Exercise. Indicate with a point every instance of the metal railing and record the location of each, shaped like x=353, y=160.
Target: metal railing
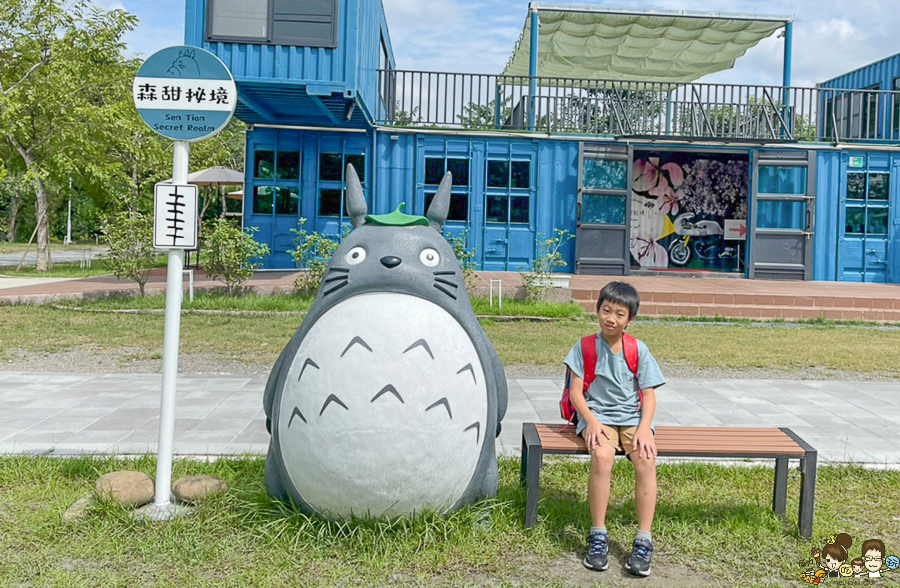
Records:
x=642, y=109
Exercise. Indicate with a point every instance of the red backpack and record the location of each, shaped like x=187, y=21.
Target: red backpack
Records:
x=589, y=354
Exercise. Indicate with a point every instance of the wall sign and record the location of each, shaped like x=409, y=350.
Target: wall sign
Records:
x=174, y=216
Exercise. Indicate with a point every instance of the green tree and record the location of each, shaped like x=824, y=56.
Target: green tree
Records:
x=131, y=254
x=58, y=65
x=230, y=253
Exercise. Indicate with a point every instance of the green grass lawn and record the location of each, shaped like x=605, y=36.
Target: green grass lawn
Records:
x=260, y=338
x=714, y=526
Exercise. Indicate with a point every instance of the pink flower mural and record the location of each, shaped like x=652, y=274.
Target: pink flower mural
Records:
x=654, y=179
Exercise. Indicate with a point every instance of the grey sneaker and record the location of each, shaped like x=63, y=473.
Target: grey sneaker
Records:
x=596, y=555
x=639, y=562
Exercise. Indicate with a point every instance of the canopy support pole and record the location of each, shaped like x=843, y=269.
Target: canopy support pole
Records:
x=786, y=78
x=532, y=65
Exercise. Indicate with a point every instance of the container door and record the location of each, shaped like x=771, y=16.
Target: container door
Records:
x=603, y=209
x=783, y=215
x=510, y=188
x=865, y=200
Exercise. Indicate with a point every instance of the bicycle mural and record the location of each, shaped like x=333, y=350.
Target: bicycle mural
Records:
x=680, y=202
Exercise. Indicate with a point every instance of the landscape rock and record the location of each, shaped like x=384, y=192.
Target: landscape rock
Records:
x=77, y=510
x=126, y=487
x=196, y=488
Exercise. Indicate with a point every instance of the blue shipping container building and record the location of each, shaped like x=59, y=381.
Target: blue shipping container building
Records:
x=648, y=170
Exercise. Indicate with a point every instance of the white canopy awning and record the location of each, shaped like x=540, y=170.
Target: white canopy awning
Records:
x=598, y=42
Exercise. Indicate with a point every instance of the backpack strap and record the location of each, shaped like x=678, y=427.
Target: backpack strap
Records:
x=589, y=358
x=630, y=351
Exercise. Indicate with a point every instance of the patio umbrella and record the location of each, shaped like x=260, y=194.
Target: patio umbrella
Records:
x=214, y=176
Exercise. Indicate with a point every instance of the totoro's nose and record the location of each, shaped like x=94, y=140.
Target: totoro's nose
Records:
x=390, y=261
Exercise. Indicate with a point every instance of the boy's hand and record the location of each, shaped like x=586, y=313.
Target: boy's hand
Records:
x=644, y=443
x=593, y=432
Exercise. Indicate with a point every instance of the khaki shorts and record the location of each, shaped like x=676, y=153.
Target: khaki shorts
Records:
x=620, y=437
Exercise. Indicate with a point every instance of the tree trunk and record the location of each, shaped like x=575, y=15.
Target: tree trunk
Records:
x=14, y=203
x=43, y=229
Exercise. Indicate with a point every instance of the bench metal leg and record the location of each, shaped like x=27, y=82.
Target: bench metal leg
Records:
x=779, y=495
x=807, y=493
x=532, y=455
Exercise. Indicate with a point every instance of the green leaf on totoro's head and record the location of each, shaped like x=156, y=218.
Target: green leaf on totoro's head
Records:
x=397, y=218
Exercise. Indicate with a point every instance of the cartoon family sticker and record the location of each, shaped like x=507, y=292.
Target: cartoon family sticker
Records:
x=834, y=560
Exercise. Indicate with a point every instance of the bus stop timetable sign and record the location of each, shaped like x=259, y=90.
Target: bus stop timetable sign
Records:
x=184, y=93
x=174, y=216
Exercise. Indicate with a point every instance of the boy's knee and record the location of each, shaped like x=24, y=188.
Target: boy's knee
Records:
x=643, y=465
x=602, y=456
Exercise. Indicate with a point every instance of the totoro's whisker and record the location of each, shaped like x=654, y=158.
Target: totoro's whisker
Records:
x=440, y=402
x=477, y=427
x=445, y=291
x=296, y=413
x=448, y=282
x=468, y=366
x=332, y=398
x=339, y=269
x=335, y=278
x=335, y=288
x=306, y=363
x=445, y=273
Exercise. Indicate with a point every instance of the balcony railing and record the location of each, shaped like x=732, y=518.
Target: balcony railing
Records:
x=725, y=112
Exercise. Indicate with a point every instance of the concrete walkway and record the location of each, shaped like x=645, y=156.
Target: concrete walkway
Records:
x=66, y=414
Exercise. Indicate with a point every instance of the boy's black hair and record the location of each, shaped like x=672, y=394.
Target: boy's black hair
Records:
x=620, y=293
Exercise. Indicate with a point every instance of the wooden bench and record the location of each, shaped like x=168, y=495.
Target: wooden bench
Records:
x=780, y=444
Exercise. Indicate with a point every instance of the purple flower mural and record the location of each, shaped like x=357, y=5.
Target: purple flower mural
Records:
x=679, y=204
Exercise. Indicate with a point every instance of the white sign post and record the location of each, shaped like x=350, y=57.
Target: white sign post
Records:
x=185, y=94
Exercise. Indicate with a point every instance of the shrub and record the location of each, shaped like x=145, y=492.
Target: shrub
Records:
x=465, y=257
x=229, y=253
x=131, y=253
x=312, y=252
x=537, y=281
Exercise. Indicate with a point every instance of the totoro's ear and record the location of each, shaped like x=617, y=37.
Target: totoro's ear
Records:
x=440, y=206
x=356, y=202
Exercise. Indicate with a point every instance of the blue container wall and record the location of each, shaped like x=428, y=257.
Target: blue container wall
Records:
x=881, y=72
x=825, y=239
x=349, y=68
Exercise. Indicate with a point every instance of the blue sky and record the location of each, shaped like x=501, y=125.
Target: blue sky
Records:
x=477, y=36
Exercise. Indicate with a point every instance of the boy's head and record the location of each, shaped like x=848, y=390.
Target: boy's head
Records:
x=623, y=294
x=857, y=564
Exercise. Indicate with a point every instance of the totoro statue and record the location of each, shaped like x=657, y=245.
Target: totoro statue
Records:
x=388, y=399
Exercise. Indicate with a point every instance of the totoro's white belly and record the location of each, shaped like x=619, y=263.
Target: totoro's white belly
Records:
x=394, y=400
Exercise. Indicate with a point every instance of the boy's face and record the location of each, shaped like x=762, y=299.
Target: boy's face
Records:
x=613, y=318
x=873, y=560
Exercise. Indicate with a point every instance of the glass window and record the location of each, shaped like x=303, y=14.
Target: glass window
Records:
x=782, y=179
x=781, y=214
x=605, y=173
x=895, y=100
x=877, y=221
x=856, y=186
x=330, y=167
x=519, y=212
x=262, y=199
x=498, y=174
x=264, y=165
x=603, y=209
x=497, y=209
x=239, y=18
x=330, y=203
x=878, y=186
x=521, y=174
x=359, y=164
x=459, y=206
x=288, y=165
x=856, y=220
x=434, y=170
x=286, y=201
x=460, y=170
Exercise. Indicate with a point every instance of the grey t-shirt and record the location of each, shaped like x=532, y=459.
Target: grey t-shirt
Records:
x=613, y=396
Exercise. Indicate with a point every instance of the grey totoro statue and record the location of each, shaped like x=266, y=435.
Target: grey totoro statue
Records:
x=388, y=399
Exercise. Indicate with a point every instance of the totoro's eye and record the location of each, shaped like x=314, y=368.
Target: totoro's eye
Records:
x=356, y=256
x=430, y=257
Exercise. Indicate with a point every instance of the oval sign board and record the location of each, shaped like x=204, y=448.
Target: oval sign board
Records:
x=184, y=93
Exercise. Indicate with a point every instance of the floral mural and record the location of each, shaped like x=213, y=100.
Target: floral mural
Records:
x=680, y=202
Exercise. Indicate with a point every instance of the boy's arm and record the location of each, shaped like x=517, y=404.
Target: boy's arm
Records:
x=594, y=428
x=643, y=437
